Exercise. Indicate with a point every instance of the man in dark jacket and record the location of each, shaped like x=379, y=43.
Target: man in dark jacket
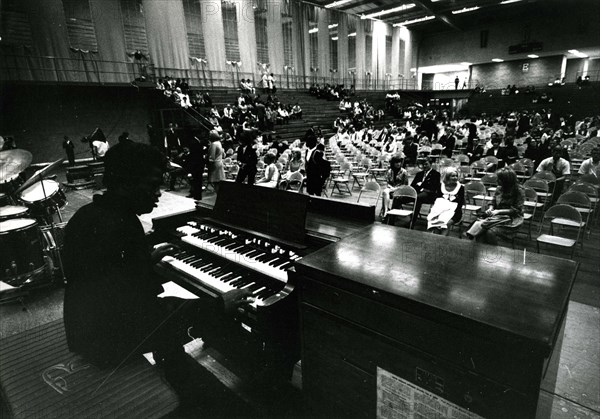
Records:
x=111, y=309
x=317, y=168
x=427, y=183
x=247, y=157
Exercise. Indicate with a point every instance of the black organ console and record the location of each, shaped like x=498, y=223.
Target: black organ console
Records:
x=250, y=240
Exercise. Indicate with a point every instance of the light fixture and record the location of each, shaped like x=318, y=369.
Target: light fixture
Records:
x=313, y=30
x=578, y=53
x=465, y=10
x=333, y=25
x=411, y=21
x=466, y=64
x=533, y=56
x=334, y=38
x=573, y=51
x=337, y=3
x=497, y=60
x=388, y=11
x=509, y=1
x=351, y=34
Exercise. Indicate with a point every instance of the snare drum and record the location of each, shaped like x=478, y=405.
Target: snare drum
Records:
x=13, y=211
x=44, y=197
x=21, y=255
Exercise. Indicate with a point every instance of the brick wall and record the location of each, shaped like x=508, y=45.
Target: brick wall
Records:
x=499, y=75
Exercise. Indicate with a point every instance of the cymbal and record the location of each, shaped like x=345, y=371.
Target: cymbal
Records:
x=39, y=175
x=13, y=162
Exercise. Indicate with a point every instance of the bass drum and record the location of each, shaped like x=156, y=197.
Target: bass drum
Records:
x=21, y=255
x=44, y=197
x=13, y=211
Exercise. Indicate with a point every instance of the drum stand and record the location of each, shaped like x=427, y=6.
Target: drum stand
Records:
x=49, y=215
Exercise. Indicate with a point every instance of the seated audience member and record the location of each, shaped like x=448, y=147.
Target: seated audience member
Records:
x=410, y=151
x=297, y=111
x=510, y=154
x=591, y=166
x=271, y=176
x=447, y=208
x=112, y=314
x=395, y=176
x=505, y=213
x=559, y=166
x=427, y=183
x=296, y=163
x=99, y=148
x=532, y=152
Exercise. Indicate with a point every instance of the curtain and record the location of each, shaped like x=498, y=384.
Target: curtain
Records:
x=247, y=39
x=108, y=23
x=214, y=35
x=379, y=35
x=50, y=39
x=301, y=40
x=323, y=39
x=395, y=53
x=275, y=36
x=342, y=49
x=167, y=36
x=360, y=51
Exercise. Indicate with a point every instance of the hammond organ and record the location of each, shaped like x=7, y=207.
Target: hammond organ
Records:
x=250, y=240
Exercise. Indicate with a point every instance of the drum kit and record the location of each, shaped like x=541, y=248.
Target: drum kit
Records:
x=28, y=252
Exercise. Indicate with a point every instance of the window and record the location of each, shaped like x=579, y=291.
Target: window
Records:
x=134, y=26
x=232, y=45
x=80, y=28
x=193, y=22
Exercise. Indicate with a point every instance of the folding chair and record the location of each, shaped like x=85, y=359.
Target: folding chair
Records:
x=295, y=182
x=566, y=213
x=542, y=189
x=371, y=186
x=582, y=203
x=404, y=191
x=342, y=179
x=530, y=207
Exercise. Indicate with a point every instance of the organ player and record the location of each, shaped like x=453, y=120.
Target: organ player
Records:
x=111, y=309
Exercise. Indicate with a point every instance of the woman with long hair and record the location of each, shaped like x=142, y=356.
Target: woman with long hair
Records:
x=504, y=214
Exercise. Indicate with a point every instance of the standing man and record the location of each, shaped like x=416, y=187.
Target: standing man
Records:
x=247, y=158
x=456, y=81
x=69, y=149
x=196, y=164
x=111, y=310
x=317, y=168
x=172, y=142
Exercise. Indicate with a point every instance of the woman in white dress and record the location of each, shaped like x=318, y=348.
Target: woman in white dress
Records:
x=271, y=176
x=216, y=172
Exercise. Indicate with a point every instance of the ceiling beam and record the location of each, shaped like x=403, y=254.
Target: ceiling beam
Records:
x=430, y=9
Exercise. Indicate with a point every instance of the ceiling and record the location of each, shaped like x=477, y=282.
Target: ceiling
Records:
x=488, y=11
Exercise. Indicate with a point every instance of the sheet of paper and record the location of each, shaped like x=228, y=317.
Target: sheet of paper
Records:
x=171, y=289
x=5, y=287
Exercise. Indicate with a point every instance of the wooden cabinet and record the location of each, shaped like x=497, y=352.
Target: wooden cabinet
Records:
x=397, y=321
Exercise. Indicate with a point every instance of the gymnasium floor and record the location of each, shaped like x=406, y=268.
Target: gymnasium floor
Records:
x=577, y=391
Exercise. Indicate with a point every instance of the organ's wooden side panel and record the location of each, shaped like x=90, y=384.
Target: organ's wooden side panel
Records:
x=396, y=321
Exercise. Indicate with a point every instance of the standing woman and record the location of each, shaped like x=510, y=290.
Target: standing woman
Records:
x=216, y=172
x=271, y=80
x=505, y=213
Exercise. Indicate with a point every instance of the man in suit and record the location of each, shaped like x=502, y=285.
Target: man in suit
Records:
x=410, y=150
x=196, y=164
x=427, y=183
x=247, y=157
x=448, y=141
x=317, y=168
x=69, y=149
